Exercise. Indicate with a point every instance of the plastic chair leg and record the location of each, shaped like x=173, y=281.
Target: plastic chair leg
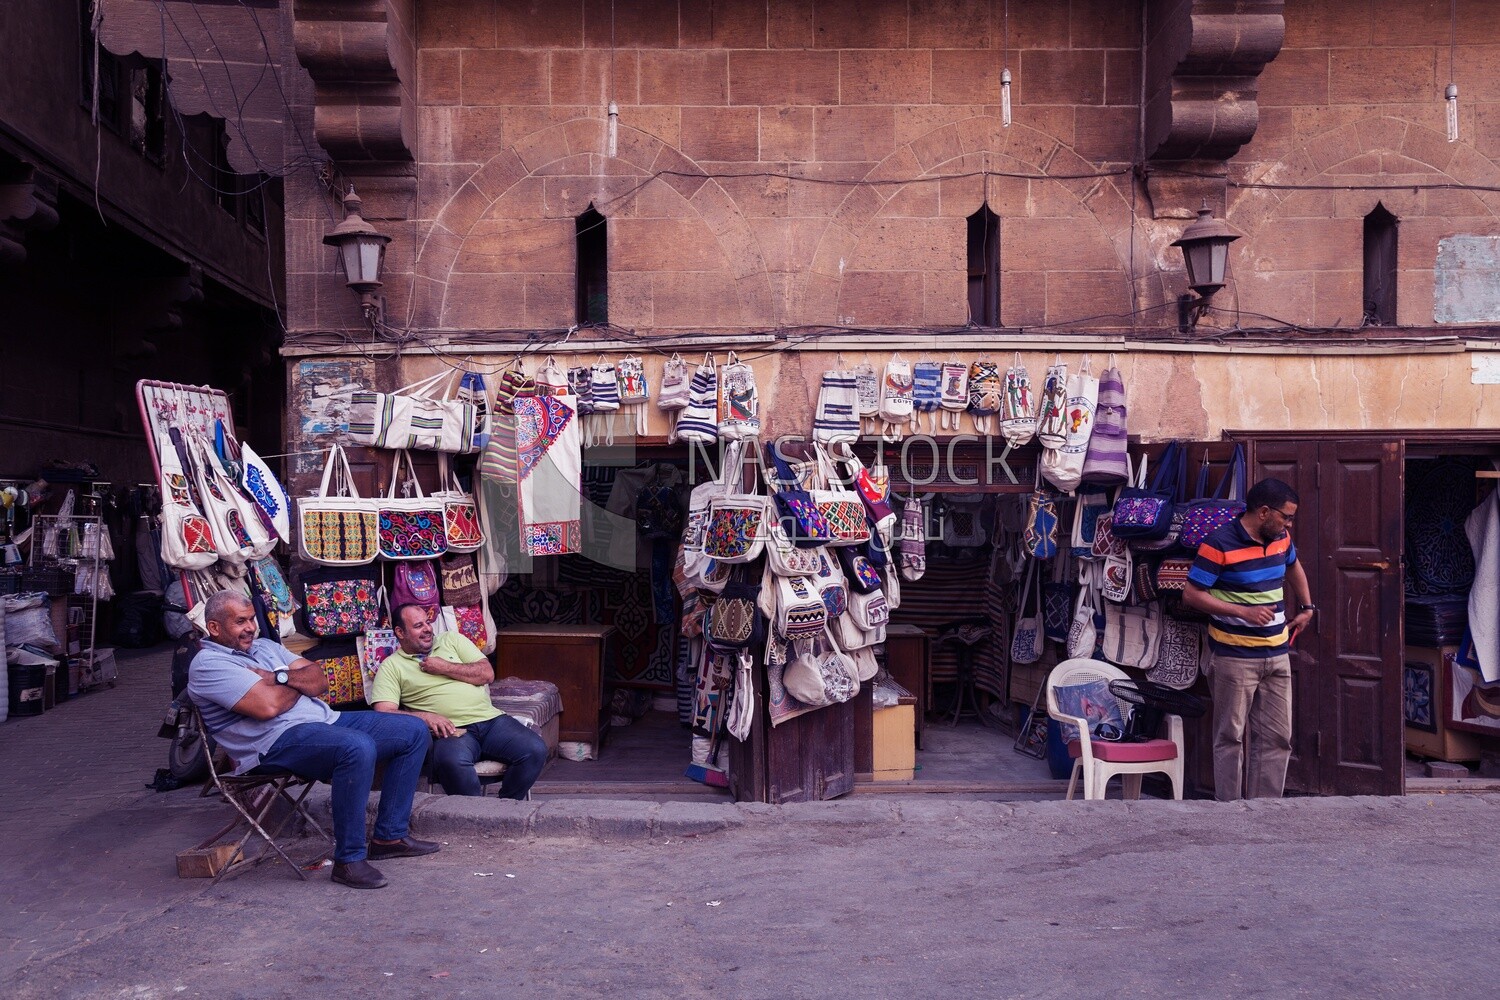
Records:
x=1073, y=778
x=1130, y=786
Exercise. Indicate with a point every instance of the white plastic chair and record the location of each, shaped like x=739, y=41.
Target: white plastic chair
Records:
x=1100, y=760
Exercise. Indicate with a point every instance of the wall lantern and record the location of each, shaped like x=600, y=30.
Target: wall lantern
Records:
x=1205, y=248
x=362, y=252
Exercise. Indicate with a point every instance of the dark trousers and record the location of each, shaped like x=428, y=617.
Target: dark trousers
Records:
x=503, y=738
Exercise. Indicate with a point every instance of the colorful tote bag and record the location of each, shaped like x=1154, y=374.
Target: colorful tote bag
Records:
x=1063, y=467
x=953, y=393
x=341, y=601
x=837, y=418
x=416, y=582
x=673, y=396
x=840, y=507
x=737, y=521
x=549, y=460
x=1206, y=513
x=699, y=420
x=460, y=512
x=262, y=486
x=634, y=392
x=926, y=394
x=420, y=416
x=867, y=396
x=986, y=395
x=459, y=579
x=187, y=539
x=411, y=526
x=1107, y=462
x=1051, y=420
x=1142, y=512
x=497, y=462
x=1017, y=412
x=1027, y=641
x=739, y=402
x=796, y=510
x=338, y=527
x=373, y=648
x=896, y=398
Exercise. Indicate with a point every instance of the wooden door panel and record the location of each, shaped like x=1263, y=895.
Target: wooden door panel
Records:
x=1360, y=629
x=1296, y=464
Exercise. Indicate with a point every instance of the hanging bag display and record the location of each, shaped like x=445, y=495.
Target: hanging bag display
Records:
x=837, y=417
x=420, y=416
x=861, y=574
x=783, y=556
x=986, y=396
x=411, y=526
x=832, y=589
x=1063, y=467
x=739, y=402
x=1087, y=509
x=1040, y=534
x=187, y=539
x=1146, y=512
x=1027, y=640
x=896, y=395
x=735, y=622
x=926, y=394
x=1107, y=460
x=867, y=397
x=820, y=673
x=1132, y=634
x=551, y=380
x=1051, y=419
x=634, y=392
x=841, y=507
x=1083, y=636
x=604, y=395
x=871, y=612
x=699, y=420
x=416, y=581
x=796, y=511
x=673, y=396
x=873, y=487
x=458, y=577
x=338, y=527
x=913, y=547
x=1181, y=653
x=341, y=601
x=800, y=613
x=1057, y=601
x=460, y=514
x=1172, y=574
x=1207, y=513
x=737, y=521
x=497, y=462
x=262, y=486
x=239, y=533
x=1017, y=409
x=954, y=394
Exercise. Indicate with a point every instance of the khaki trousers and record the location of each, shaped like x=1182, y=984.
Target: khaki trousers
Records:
x=1252, y=716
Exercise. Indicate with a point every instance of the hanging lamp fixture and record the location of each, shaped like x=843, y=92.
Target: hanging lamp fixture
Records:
x=1005, y=72
x=612, y=142
x=1450, y=93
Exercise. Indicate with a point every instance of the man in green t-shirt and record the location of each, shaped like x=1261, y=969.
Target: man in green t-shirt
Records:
x=443, y=680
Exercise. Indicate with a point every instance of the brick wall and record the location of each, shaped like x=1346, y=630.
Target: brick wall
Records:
x=813, y=163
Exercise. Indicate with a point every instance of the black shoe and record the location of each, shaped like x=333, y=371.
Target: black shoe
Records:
x=406, y=847
x=358, y=875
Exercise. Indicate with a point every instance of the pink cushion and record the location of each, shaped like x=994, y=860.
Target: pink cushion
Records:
x=1128, y=753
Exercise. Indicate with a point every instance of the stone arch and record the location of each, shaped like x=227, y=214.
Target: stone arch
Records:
x=911, y=210
x=1301, y=261
x=566, y=162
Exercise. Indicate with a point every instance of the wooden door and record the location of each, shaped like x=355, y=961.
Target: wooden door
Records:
x=806, y=759
x=1347, y=733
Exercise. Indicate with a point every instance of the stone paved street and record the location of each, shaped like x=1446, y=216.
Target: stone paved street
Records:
x=876, y=896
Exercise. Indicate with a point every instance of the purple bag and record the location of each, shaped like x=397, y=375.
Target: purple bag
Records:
x=1206, y=513
x=416, y=582
x=1147, y=512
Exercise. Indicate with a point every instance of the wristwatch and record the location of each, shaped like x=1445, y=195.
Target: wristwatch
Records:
x=283, y=676
x=1307, y=607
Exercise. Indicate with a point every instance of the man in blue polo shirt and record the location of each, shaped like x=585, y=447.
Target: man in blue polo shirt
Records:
x=259, y=703
x=1239, y=578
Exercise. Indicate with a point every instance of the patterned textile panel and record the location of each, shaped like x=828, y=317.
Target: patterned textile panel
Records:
x=946, y=592
x=340, y=662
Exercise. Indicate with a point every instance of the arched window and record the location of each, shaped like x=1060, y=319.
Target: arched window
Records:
x=593, y=266
x=1380, y=267
x=984, y=267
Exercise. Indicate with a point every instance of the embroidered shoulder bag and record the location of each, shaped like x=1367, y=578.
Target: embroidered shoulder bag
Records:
x=460, y=514
x=926, y=394
x=1146, y=513
x=737, y=522
x=1206, y=513
x=337, y=528
x=796, y=510
x=411, y=527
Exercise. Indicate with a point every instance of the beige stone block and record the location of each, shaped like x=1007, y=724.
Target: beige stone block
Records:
x=789, y=25
x=918, y=200
x=1079, y=296
x=950, y=24
x=704, y=300
x=782, y=77
x=637, y=25
x=945, y=298
x=881, y=298
x=786, y=134
x=438, y=76
x=834, y=249
x=1106, y=134
x=426, y=305
x=1103, y=24
x=589, y=77
x=663, y=245
x=518, y=245
x=822, y=189
x=729, y=24
x=539, y=23
x=551, y=300
x=758, y=195
x=787, y=244
x=1059, y=77
x=1340, y=297
x=962, y=196
x=1336, y=22
x=1287, y=296
x=676, y=170
x=1415, y=298
x=508, y=76
x=860, y=24
x=1295, y=77
x=439, y=250
x=1305, y=244
x=661, y=123
x=630, y=299
x=571, y=165
x=819, y=302
x=684, y=78
x=484, y=301
x=966, y=76
x=858, y=208
x=889, y=244
x=1122, y=76
x=915, y=121
x=725, y=134
x=463, y=209
x=863, y=134
x=938, y=147
x=1056, y=244
x=1023, y=297
x=457, y=24
x=1429, y=146
x=1379, y=76
x=541, y=148
x=885, y=76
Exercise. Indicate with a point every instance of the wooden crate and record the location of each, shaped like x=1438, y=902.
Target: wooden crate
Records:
x=203, y=862
x=895, y=743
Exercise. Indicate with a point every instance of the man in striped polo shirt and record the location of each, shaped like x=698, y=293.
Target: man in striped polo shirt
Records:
x=1240, y=578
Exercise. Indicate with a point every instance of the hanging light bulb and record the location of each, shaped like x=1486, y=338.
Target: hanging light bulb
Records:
x=614, y=128
x=1450, y=98
x=1005, y=97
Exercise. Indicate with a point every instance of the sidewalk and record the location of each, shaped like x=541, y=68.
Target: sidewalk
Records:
x=87, y=849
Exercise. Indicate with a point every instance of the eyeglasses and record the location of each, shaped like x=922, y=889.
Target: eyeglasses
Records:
x=1289, y=518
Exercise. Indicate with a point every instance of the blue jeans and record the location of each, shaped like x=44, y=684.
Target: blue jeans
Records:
x=503, y=738
x=344, y=754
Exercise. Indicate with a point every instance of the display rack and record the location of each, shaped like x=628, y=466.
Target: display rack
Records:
x=60, y=555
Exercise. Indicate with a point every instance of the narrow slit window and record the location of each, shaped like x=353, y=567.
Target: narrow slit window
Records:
x=984, y=267
x=593, y=267
x=1380, y=267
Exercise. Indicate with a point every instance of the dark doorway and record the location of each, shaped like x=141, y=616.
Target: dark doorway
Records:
x=593, y=267
x=984, y=268
x=1380, y=267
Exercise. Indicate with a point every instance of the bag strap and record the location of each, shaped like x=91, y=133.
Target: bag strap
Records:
x=1238, y=472
x=333, y=454
x=424, y=387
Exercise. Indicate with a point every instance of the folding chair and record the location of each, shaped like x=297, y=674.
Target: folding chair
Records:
x=253, y=797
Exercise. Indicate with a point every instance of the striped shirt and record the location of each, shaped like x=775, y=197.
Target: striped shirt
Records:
x=1238, y=569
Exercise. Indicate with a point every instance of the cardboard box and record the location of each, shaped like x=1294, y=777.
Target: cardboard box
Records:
x=895, y=743
x=98, y=667
x=203, y=862
x=1441, y=742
